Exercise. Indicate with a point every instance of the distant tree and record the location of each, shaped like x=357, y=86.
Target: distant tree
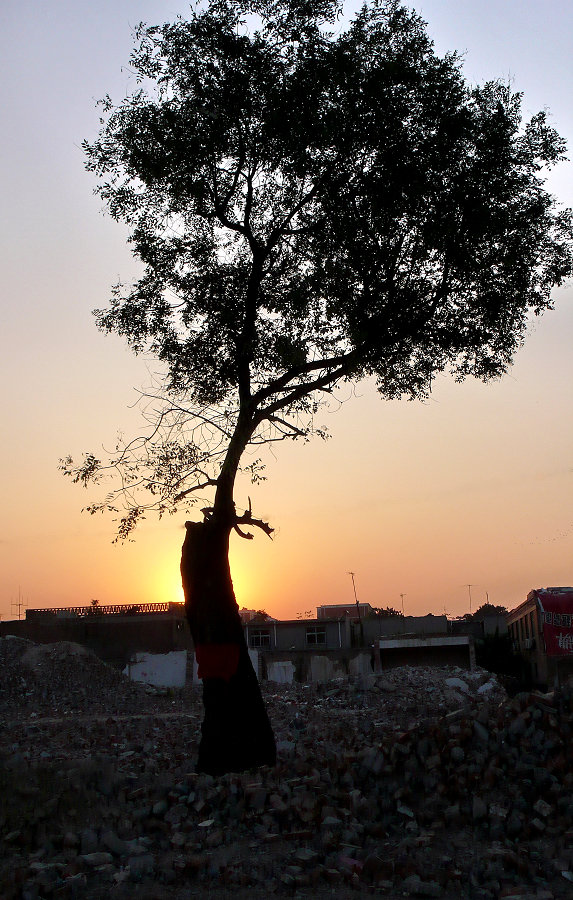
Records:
x=262, y=616
x=94, y=608
x=311, y=207
x=487, y=609
x=384, y=613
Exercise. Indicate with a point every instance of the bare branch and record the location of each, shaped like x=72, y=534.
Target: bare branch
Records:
x=293, y=430
x=211, y=482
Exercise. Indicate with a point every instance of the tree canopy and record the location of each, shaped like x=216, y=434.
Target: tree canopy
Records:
x=485, y=610
x=384, y=612
x=311, y=204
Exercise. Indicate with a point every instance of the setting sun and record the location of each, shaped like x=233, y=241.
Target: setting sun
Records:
x=169, y=587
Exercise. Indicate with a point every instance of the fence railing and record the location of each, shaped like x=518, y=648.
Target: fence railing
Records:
x=126, y=609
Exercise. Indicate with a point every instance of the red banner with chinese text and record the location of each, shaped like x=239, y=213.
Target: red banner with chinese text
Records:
x=556, y=609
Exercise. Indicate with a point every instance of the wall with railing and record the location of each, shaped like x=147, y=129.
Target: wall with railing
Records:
x=125, y=609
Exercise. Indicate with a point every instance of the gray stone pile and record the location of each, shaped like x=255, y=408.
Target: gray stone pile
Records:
x=416, y=782
x=61, y=678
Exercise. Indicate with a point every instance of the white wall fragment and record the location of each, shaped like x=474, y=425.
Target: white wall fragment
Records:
x=158, y=669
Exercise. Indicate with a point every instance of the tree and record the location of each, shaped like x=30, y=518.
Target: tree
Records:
x=489, y=609
x=385, y=612
x=310, y=208
x=485, y=610
x=262, y=616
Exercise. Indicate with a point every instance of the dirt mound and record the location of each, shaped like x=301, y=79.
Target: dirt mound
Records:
x=64, y=677
x=62, y=651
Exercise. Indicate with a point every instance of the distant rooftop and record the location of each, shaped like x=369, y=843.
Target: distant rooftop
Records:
x=338, y=610
x=119, y=609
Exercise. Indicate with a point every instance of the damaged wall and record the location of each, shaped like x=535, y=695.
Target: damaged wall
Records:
x=158, y=669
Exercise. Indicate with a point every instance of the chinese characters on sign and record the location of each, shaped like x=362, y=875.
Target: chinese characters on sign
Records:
x=557, y=618
x=565, y=642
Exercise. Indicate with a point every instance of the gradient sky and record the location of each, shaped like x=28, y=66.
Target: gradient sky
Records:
x=472, y=487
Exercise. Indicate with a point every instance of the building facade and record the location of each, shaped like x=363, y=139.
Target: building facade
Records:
x=301, y=649
x=114, y=633
x=541, y=630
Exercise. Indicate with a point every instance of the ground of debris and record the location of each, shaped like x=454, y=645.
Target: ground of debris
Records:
x=416, y=782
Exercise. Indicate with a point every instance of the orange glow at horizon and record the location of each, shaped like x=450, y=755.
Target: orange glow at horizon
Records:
x=172, y=592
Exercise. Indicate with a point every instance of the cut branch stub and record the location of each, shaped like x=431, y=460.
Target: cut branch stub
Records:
x=248, y=519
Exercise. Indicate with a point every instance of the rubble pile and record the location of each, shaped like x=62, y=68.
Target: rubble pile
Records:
x=398, y=698
x=416, y=782
x=61, y=678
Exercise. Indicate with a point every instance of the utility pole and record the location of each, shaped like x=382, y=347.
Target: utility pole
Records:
x=469, y=587
x=403, y=616
x=352, y=574
x=19, y=604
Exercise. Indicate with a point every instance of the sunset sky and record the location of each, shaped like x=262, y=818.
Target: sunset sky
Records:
x=473, y=487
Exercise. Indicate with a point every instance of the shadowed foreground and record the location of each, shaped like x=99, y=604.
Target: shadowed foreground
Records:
x=420, y=782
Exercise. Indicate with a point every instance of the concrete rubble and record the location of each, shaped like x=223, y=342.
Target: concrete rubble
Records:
x=415, y=782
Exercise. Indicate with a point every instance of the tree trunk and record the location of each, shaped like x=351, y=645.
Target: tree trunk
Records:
x=236, y=733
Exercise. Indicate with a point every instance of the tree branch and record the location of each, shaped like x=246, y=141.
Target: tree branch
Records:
x=282, y=383
x=281, y=229
x=239, y=166
x=306, y=388
x=248, y=519
x=209, y=482
x=293, y=428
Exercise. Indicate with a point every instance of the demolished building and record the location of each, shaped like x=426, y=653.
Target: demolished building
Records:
x=147, y=642
x=541, y=630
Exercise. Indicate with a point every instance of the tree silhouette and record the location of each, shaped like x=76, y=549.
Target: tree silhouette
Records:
x=385, y=612
x=311, y=206
x=485, y=610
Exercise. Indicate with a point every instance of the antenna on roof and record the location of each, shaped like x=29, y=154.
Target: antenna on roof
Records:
x=20, y=604
x=352, y=574
x=469, y=587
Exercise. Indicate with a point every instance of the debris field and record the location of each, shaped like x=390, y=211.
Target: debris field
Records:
x=414, y=782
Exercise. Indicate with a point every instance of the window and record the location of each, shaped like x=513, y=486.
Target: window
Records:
x=260, y=637
x=316, y=636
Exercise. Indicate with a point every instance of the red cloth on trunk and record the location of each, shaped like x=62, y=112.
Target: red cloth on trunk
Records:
x=217, y=660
